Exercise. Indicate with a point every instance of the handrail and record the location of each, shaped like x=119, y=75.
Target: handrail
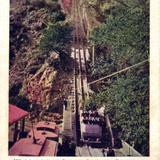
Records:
x=110, y=130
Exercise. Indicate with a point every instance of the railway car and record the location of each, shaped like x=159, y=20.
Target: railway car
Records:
x=91, y=126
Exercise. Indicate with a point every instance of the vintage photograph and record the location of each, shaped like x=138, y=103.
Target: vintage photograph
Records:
x=79, y=78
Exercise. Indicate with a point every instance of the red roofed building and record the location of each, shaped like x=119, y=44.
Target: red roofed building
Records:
x=16, y=122
x=16, y=114
x=26, y=147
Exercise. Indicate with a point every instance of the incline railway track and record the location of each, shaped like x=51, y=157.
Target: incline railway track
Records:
x=80, y=85
x=79, y=66
x=80, y=69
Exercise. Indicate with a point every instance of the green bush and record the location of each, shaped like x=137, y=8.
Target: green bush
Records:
x=38, y=3
x=56, y=38
x=50, y=4
x=126, y=95
x=126, y=99
x=58, y=16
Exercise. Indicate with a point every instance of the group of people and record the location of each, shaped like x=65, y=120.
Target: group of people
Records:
x=91, y=117
x=92, y=113
x=67, y=148
x=108, y=153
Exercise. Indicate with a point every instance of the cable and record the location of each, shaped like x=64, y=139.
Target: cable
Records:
x=125, y=69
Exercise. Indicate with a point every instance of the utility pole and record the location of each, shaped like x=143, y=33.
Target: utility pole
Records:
x=93, y=55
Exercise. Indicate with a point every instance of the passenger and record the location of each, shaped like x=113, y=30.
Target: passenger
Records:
x=72, y=149
x=104, y=152
x=90, y=120
x=92, y=113
x=110, y=153
x=93, y=120
x=96, y=114
x=87, y=113
x=65, y=103
x=65, y=147
x=97, y=119
x=85, y=120
x=100, y=122
x=83, y=113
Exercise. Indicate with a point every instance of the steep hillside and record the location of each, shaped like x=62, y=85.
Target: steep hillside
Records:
x=121, y=40
x=37, y=76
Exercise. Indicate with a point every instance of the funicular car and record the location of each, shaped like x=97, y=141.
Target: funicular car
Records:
x=91, y=126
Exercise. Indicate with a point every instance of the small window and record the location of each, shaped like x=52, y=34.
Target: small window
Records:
x=45, y=129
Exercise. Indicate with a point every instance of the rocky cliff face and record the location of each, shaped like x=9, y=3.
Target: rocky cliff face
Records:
x=32, y=78
x=26, y=25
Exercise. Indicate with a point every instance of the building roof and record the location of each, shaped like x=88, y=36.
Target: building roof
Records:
x=26, y=147
x=45, y=124
x=16, y=114
x=45, y=129
x=50, y=148
x=41, y=134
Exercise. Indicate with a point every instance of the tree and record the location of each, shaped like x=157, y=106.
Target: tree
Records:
x=56, y=38
x=127, y=102
x=124, y=38
x=126, y=34
x=58, y=16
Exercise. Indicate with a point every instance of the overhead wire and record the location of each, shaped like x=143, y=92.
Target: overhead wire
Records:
x=120, y=71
